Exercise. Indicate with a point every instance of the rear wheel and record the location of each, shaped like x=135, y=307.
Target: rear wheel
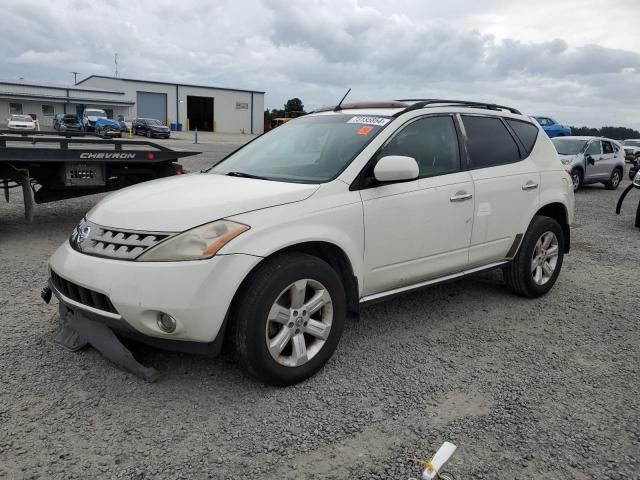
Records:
x=537, y=265
x=289, y=318
x=576, y=177
x=614, y=180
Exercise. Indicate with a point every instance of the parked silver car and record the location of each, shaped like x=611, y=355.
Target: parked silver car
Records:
x=591, y=160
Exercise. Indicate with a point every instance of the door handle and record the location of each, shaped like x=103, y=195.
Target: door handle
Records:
x=529, y=186
x=460, y=196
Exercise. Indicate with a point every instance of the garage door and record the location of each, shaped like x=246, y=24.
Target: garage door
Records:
x=152, y=105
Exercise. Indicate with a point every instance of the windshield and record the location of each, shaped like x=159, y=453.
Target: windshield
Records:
x=310, y=149
x=95, y=113
x=70, y=118
x=21, y=118
x=154, y=122
x=631, y=143
x=568, y=146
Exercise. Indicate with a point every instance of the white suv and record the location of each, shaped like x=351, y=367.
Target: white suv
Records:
x=269, y=249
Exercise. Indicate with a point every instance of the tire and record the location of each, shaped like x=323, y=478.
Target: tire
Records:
x=520, y=275
x=638, y=216
x=614, y=180
x=148, y=133
x=577, y=177
x=263, y=293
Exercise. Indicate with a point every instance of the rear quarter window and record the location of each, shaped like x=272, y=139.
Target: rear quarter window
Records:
x=526, y=133
x=489, y=142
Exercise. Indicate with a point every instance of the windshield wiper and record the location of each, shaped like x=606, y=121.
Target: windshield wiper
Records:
x=246, y=175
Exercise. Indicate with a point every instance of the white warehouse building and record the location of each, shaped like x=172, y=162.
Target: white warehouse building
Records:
x=182, y=106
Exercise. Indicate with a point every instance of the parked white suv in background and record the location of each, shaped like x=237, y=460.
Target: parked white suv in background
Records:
x=269, y=249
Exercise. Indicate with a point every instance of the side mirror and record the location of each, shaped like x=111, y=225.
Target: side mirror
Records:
x=396, y=168
x=589, y=159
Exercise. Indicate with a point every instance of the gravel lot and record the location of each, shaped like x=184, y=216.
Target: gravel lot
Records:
x=545, y=388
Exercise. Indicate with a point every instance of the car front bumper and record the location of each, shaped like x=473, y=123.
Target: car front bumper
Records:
x=197, y=294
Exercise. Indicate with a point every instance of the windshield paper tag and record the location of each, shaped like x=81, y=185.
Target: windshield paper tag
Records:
x=380, y=121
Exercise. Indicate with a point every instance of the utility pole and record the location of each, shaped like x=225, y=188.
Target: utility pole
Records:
x=75, y=77
x=116, y=62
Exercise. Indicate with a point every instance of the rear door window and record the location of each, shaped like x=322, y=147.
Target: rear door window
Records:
x=607, y=148
x=489, y=142
x=526, y=132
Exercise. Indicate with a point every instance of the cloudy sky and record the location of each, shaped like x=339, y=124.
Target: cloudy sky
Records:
x=576, y=60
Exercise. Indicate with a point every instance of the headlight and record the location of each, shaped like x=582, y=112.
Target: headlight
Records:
x=196, y=244
x=565, y=161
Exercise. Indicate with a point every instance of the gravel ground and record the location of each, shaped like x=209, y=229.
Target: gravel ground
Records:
x=544, y=388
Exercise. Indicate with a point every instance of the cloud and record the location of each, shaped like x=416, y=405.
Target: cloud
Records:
x=316, y=49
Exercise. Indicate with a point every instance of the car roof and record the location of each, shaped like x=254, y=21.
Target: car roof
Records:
x=583, y=137
x=393, y=108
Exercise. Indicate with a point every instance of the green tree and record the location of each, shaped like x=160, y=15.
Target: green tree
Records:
x=294, y=105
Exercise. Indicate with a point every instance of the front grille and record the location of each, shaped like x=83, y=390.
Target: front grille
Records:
x=108, y=242
x=82, y=295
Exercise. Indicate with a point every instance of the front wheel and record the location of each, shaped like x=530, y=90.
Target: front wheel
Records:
x=576, y=179
x=289, y=318
x=614, y=180
x=537, y=265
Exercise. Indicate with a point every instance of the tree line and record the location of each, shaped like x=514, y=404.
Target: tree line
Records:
x=293, y=108
x=617, y=133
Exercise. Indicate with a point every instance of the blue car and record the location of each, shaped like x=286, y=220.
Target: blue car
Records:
x=107, y=128
x=553, y=128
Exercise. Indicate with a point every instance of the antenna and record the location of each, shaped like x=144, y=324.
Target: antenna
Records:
x=339, y=106
x=116, y=62
x=75, y=77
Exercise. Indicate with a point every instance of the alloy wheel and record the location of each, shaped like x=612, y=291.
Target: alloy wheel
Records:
x=544, y=258
x=615, y=179
x=299, y=322
x=576, y=181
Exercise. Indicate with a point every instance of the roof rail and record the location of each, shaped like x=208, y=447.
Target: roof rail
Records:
x=355, y=105
x=425, y=102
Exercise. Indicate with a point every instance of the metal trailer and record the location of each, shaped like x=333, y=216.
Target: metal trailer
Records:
x=49, y=167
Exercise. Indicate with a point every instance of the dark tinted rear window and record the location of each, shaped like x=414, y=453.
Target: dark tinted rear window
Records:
x=489, y=142
x=526, y=132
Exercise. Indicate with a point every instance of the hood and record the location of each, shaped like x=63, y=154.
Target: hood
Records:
x=175, y=204
x=159, y=127
x=20, y=123
x=566, y=159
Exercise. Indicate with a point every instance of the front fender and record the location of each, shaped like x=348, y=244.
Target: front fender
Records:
x=334, y=219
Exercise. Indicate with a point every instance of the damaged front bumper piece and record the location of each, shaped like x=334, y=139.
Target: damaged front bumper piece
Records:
x=81, y=325
x=77, y=330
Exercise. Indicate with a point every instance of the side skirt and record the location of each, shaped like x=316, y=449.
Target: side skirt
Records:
x=447, y=278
